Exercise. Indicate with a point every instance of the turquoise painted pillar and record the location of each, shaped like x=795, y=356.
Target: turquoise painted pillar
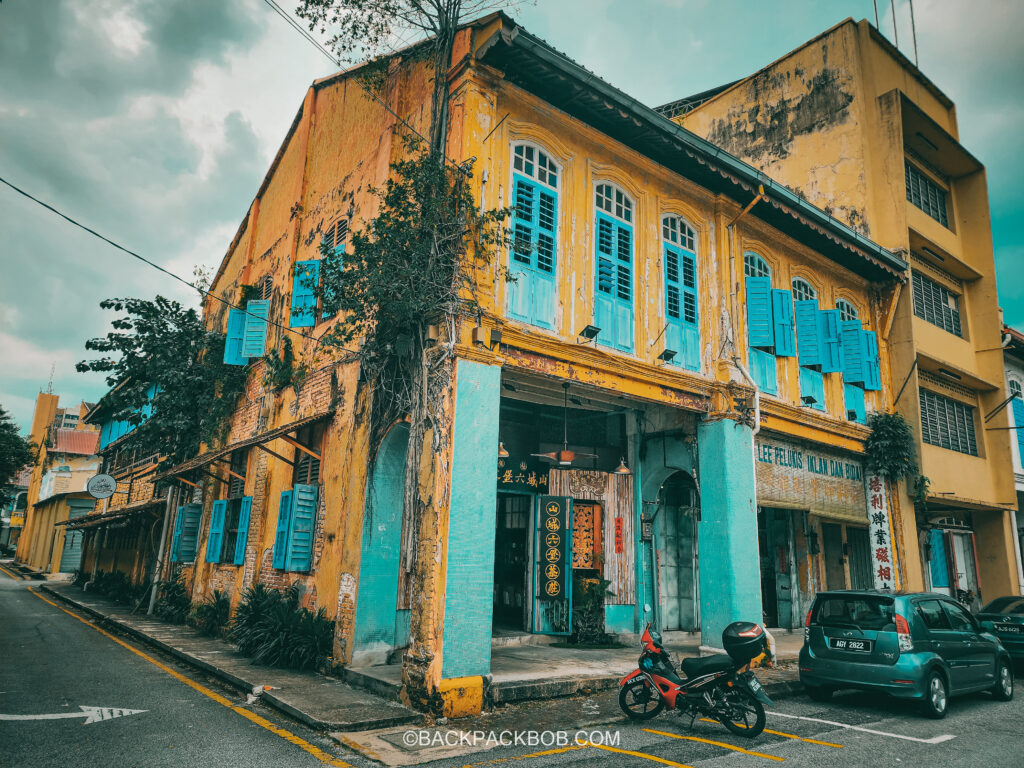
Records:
x=469, y=589
x=730, y=574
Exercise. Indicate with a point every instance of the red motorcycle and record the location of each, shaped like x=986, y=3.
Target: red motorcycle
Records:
x=720, y=687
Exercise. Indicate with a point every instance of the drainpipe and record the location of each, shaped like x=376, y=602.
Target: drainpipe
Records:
x=730, y=229
x=171, y=494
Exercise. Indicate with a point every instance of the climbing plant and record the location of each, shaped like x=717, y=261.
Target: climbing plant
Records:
x=890, y=448
x=159, y=343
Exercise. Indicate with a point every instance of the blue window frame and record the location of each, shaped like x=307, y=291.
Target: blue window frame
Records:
x=533, y=259
x=296, y=523
x=305, y=279
x=186, y=533
x=682, y=311
x=760, y=326
x=810, y=346
x=853, y=396
x=613, y=290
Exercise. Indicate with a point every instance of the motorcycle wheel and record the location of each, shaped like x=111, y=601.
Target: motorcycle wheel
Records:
x=638, y=702
x=742, y=713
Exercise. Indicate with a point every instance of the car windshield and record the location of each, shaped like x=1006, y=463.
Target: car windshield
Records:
x=854, y=611
x=1012, y=606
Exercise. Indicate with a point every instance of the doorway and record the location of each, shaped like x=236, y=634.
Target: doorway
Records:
x=775, y=544
x=511, y=561
x=675, y=531
x=832, y=551
x=859, y=541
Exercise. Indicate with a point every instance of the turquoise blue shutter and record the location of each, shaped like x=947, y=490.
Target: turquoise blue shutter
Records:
x=812, y=383
x=828, y=336
x=215, y=538
x=1018, y=421
x=854, y=399
x=192, y=514
x=691, y=347
x=760, y=332
x=872, y=371
x=176, y=541
x=782, y=319
x=939, y=564
x=674, y=341
x=624, y=289
x=763, y=370
x=852, y=351
x=681, y=308
x=520, y=290
x=233, y=339
x=808, y=338
x=254, y=338
x=305, y=279
x=243, y=530
x=546, y=257
x=300, y=536
x=284, y=513
x=604, y=313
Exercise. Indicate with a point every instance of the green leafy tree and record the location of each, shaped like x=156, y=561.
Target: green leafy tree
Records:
x=890, y=448
x=160, y=343
x=15, y=453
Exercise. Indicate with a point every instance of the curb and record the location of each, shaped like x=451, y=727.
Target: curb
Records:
x=244, y=686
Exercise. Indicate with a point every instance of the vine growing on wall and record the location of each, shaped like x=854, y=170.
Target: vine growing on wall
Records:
x=167, y=376
x=890, y=448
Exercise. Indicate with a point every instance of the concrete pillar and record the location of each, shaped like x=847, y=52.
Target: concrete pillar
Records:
x=469, y=586
x=730, y=576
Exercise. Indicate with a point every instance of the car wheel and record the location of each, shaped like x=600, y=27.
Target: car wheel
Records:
x=936, y=697
x=1003, y=689
x=818, y=693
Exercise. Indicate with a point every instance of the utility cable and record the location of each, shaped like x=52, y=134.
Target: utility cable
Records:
x=156, y=266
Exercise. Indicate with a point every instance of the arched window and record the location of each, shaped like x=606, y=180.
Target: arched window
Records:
x=613, y=294
x=533, y=262
x=846, y=310
x=755, y=266
x=615, y=202
x=1014, y=387
x=803, y=291
x=534, y=163
x=682, y=334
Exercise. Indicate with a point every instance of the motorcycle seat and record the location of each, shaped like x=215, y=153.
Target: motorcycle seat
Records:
x=706, y=665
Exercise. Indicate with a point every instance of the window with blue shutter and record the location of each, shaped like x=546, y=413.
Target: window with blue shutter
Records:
x=254, y=337
x=301, y=526
x=284, y=513
x=853, y=396
x=808, y=333
x=681, y=305
x=870, y=363
x=852, y=351
x=305, y=279
x=532, y=293
x=215, y=538
x=829, y=341
x=188, y=542
x=176, y=540
x=243, y=530
x=809, y=344
x=233, y=339
x=1018, y=422
x=613, y=294
x=782, y=319
x=332, y=245
x=812, y=384
x=760, y=329
x=764, y=371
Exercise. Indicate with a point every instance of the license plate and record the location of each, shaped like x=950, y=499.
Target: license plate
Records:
x=1009, y=629
x=846, y=644
x=755, y=686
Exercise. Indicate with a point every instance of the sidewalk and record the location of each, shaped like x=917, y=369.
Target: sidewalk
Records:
x=318, y=701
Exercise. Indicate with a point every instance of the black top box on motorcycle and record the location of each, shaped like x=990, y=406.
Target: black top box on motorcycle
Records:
x=743, y=641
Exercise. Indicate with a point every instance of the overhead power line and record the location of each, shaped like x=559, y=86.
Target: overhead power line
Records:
x=156, y=266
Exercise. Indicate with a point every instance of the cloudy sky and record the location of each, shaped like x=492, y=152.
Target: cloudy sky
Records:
x=153, y=121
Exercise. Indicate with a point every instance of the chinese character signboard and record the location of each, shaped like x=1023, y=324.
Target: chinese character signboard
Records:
x=554, y=563
x=522, y=475
x=883, y=563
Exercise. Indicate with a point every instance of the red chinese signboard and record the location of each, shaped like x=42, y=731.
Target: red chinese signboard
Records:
x=618, y=536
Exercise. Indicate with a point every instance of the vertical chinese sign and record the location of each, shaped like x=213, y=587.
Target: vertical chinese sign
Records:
x=883, y=563
x=554, y=564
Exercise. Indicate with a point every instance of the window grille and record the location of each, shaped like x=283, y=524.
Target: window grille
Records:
x=613, y=201
x=755, y=266
x=264, y=288
x=947, y=423
x=926, y=194
x=678, y=232
x=307, y=469
x=934, y=303
x=803, y=291
x=847, y=311
x=335, y=235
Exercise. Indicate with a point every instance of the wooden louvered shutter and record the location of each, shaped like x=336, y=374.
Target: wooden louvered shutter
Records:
x=760, y=330
x=254, y=339
x=302, y=524
x=243, y=530
x=284, y=511
x=215, y=538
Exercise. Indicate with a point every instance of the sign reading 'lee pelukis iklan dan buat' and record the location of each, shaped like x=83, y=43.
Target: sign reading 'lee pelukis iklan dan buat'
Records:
x=824, y=482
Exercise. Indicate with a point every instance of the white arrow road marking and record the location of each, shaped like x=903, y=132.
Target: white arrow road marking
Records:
x=91, y=714
x=932, y=740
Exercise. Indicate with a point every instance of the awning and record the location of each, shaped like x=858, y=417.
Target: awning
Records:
x=116, y=515
x=204, y=459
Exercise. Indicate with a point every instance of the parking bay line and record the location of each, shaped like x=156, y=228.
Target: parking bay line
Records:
x=932, y=740
x=715, y=743
x=787, y=735
x=644, y=755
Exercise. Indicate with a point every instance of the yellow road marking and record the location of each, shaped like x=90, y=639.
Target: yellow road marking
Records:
x=715, y=743
x=644, y=755
x=516, y=758
x=316, y=752
x=14, y=576
x=787, y=735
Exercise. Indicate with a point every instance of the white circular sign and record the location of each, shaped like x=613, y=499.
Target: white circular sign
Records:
x=101, y=486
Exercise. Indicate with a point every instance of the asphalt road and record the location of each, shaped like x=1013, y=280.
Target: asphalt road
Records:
x=52, y=663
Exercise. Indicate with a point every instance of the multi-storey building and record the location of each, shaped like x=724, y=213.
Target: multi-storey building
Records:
x=674, y=374
x=851, y=125
x=1013, y=341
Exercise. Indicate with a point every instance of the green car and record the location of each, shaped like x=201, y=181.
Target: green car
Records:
x=1004, y=618
x=912, y=645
